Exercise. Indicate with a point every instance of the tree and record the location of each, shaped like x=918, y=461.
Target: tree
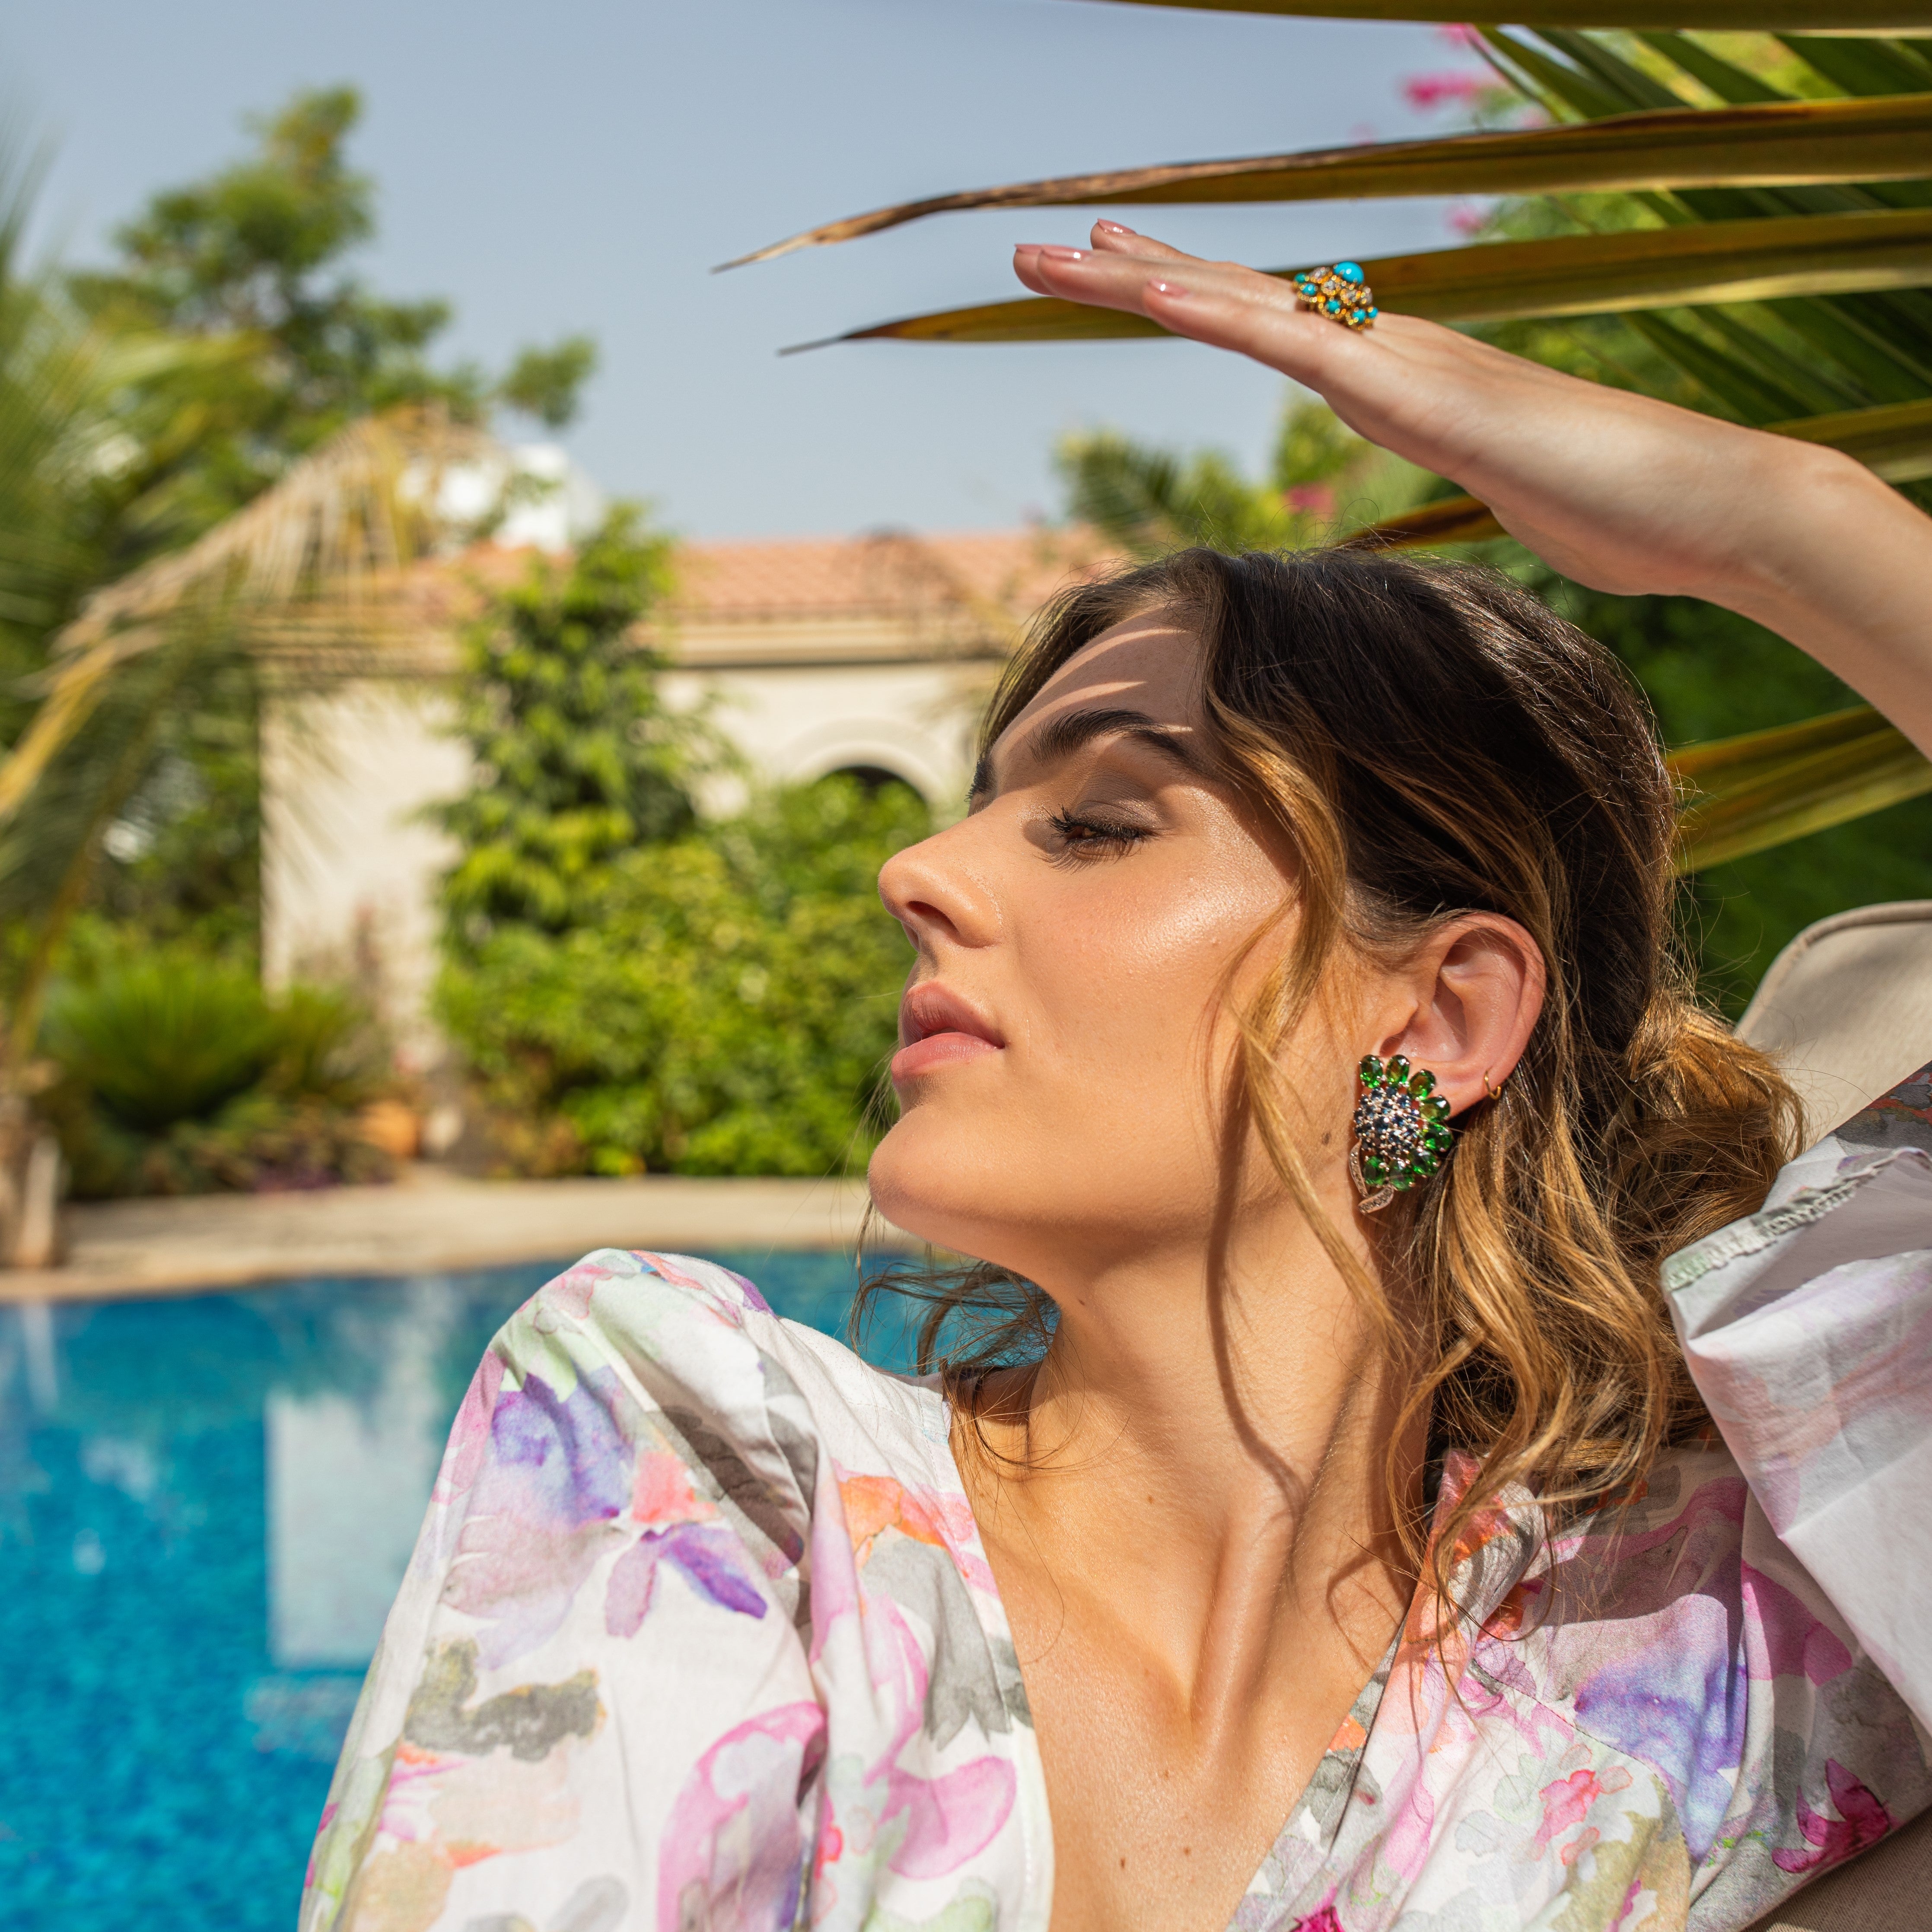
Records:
x=256, y=259
x=1769, y=259
x=580, y=759
x=634, y=986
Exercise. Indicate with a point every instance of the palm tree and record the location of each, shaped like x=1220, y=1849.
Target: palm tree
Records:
x=91, y=679
x=1730, y=203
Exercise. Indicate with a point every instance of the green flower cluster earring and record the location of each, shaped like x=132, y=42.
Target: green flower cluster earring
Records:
x=1401, y=1129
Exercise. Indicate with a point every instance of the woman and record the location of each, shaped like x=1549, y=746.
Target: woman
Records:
x=1339, y=1469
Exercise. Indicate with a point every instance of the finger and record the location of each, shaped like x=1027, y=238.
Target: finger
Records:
x=1115, y=281
x=1116, y=238
x=1032, y=259
x=1214, y=302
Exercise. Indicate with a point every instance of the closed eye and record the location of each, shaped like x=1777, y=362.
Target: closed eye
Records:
x=1085, y=836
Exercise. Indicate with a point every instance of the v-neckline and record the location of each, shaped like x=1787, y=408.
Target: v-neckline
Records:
x=1317, y=1812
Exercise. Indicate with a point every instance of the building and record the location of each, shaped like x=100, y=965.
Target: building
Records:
x=872, y=654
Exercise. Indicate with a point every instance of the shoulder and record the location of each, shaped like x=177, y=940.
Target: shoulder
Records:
x=699, y=1345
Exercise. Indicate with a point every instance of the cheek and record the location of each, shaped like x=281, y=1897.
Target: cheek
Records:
x=1123, y=980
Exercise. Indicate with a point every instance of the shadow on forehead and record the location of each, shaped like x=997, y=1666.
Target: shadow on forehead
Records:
x=1141, y=677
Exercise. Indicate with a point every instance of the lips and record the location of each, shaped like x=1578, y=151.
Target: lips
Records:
x=940, y=1029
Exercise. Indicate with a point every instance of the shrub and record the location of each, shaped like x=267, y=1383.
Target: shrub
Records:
x=725, y=1007
x=178, y=1076
x=634, y=988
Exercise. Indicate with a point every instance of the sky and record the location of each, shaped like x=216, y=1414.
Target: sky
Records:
x=580, y=166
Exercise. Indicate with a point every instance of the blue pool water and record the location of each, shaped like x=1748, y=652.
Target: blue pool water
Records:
x=206, y=1504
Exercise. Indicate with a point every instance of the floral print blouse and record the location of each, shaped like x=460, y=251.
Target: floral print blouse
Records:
x=700, y=1635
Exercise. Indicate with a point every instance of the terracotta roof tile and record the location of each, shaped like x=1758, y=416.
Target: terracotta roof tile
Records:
x=1006, y=573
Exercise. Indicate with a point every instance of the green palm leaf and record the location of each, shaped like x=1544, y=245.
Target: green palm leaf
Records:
x=1747, y=794
x=1814, y=17
x=1567, y=275
x=1772, y=143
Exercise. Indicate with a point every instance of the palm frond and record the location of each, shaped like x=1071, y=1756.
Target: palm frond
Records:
x=1566, y=275
x=321, y=556
x=1749, y=793
x=1771, y=144
x=1811, y=17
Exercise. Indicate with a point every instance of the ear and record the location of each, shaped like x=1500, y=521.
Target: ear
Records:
x=1474, y=992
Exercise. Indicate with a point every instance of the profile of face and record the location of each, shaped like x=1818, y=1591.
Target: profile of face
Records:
x=1074, y=934
x=1084, y=935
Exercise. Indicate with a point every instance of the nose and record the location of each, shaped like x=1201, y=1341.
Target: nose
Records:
x=938, y=891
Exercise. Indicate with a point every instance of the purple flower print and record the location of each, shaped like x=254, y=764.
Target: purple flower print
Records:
x=706, y=1556
x=541, y=1511
x=1675, y=1698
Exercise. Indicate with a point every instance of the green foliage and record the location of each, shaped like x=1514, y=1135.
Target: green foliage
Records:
x=545, y=382
x=1323, y=481
x=634, y=988
x=725, y=1008
x=579, y=759
x=177, y=1075
x=253, y=258
x=1711, y=674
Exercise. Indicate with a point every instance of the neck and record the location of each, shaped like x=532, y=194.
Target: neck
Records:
x=1232, y=1404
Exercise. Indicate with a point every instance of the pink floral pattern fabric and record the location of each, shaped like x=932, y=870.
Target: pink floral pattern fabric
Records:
x=700, y=1634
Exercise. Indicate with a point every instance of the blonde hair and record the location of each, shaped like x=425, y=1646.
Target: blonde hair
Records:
x=1430, y=740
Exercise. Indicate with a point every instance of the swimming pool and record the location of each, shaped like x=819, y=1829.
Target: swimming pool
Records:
x=206, y=1504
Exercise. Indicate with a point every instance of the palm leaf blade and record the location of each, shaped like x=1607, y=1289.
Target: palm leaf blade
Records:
x=1814, y=17
x=1752, y=793
x=1777, y=144
x=1566, y=275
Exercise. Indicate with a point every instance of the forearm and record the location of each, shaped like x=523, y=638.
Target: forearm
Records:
x=1841, y=564
x=1622, y=492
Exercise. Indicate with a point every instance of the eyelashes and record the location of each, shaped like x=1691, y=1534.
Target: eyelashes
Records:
x=1086, y=836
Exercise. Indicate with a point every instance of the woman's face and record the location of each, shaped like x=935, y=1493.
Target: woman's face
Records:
x=1062, y=1028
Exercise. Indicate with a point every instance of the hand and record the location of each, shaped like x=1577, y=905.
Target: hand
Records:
x=1618, y=491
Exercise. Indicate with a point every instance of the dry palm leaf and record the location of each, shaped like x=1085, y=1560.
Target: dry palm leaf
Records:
x=1766, y=145
x=326, y=547
x=1567, y=275
x=1763, y=16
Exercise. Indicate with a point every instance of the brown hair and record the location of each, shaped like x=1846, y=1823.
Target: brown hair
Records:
x=1430, y=739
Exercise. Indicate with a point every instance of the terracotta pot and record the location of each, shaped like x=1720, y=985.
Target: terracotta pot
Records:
x=393, y=1125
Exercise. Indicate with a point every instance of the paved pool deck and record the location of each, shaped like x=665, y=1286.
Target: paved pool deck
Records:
x=429, y=1222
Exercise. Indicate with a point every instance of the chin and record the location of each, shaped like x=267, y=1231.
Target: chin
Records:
x=958, y=1190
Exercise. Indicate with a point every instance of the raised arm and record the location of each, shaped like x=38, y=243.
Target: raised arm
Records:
x=1619, y=491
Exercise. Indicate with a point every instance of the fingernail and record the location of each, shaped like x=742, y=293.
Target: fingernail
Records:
x=1115, y=228
x=1054, y=252
x=1167, y=288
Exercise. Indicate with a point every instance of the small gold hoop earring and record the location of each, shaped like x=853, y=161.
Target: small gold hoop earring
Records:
x=1494, y=1093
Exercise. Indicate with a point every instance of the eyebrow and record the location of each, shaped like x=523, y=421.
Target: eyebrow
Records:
x=1060, y=737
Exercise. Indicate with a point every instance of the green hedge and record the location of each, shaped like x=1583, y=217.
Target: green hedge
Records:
x=725, y=1006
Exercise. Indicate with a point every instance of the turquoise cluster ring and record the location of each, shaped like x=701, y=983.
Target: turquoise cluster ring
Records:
x=1341, y=293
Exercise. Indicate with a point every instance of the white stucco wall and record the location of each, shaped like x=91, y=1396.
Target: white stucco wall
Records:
x=795, y=723
x=350, y=868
